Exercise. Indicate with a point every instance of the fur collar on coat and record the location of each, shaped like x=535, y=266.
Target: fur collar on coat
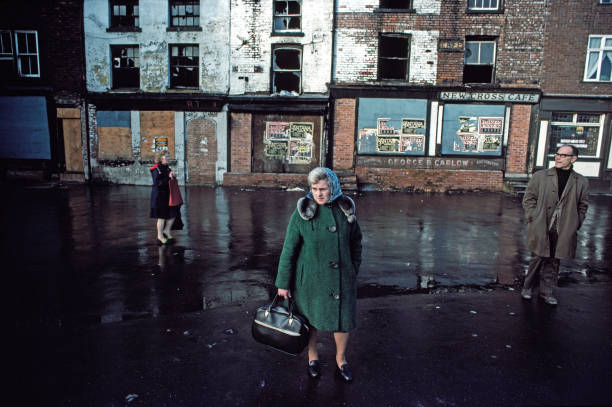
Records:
x=307, y=208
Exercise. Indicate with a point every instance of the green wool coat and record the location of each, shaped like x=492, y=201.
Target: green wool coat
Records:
x=320, y=261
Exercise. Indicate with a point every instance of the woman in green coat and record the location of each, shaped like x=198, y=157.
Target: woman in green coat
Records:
x=319, y=264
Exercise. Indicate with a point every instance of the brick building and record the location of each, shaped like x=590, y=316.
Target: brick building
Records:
x=436, y=95
x=281, y=59
x=576, y=103
x=157, y=76
x=41, y=88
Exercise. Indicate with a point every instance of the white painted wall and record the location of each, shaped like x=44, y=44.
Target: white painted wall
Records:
x=153, y=43
x=364, y=6
x=251, y=45
x=357, y=56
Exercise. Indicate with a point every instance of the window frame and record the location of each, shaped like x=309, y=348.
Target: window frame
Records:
x=273, y=71
x=18, y=54
x=576, y=123
x=384, y=8
x=605, y=2
x=171, y=83
x=602, y=48
x=408, y=38
x=491, y=10
x=135, y=15
x=124, y=68
x=288, y=31
x=185, y=3
x=480, y=41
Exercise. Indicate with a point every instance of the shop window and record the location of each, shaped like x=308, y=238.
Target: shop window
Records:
x=124, y=13
x=184, y=66
x=605, y=1
x=126, y=66
x=287, y=69
x=484, y=5
x=396, y=4
x=393, y=56
x=583, y=130
x=287, y=16
x=184, y=13
x=473, y=129
x=479, y=61
x=599, y=59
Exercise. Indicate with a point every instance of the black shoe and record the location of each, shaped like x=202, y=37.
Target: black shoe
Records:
x=345, y=373
x=161, y=243
x=314, y=369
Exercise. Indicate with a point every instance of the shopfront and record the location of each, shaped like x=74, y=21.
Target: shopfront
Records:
x=436, y=140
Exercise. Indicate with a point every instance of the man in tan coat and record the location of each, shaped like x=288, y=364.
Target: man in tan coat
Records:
x=555, y=205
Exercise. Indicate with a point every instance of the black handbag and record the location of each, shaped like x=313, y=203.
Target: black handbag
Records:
x=178, y=223
x=280, y=328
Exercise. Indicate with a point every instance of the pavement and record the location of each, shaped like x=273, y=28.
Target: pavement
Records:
x=103, y=321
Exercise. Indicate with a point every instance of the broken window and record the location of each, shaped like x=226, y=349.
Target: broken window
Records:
x=396, y=4
x=599, y=59
x=479, y=61
x=484, y=5
x=124, y=13
x=6, y=54
x=126, y=66
x=184, y=66
x=287, y=69
x=184, y=13
x=393, y=56
x=26, y=53
x=287, y=16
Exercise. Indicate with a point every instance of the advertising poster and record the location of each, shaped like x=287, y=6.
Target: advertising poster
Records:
x=473, y=129
x=289, y=141
x=392, y=126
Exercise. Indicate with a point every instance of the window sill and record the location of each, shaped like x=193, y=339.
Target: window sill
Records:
x=395, y=10
x=184, y=28
x=123, y=29
x=286, y=34
x=470, y=11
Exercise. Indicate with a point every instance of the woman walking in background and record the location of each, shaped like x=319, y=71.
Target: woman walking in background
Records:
x=319, y=264
x=160, y=198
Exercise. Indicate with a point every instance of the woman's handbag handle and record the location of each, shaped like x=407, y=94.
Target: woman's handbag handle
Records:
x=274, y=302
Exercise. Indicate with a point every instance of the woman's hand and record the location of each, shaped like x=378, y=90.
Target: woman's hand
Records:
x=284, y=293
x=172, y=174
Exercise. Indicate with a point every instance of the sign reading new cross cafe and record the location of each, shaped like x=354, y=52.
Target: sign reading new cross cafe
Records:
x=491, y=97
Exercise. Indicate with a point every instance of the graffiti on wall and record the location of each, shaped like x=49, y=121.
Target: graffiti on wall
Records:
x=289, y=141
x=400, y=131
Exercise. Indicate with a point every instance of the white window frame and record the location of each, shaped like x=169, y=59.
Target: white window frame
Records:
x=19, y=54
x=486, y=5
x=480, y=42
x=286, y=16
x=276, y=69
x=602, y=48
x=576, y=123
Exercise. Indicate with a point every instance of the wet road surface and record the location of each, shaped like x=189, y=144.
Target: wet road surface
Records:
x=91, y=253
x=106, y=318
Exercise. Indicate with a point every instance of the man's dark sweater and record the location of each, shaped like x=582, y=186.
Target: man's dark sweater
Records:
x=562, y=177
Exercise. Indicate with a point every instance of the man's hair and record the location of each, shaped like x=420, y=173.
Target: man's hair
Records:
x=574, y=149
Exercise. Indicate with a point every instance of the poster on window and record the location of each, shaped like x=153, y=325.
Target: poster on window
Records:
x=473, y=129
x=391, y=126
x=290, y=142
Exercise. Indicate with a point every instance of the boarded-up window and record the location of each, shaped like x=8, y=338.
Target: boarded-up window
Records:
x=114, y=135
x=156, y=133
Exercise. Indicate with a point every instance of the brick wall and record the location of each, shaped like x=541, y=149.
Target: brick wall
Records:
x=518, y=141
x=566, y=46
x=201, y=151
x=240, y=144
x=389, y=179
x=519, y=32
x=344, y=133
x=264, y=180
